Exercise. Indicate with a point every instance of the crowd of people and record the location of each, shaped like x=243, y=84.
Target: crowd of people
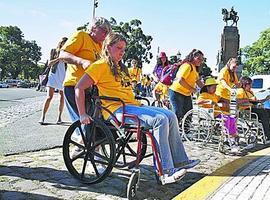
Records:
x=95, y=58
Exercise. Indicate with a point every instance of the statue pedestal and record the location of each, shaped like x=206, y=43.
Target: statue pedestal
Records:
x=229, y=43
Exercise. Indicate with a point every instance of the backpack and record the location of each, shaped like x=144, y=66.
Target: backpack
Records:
x=168, y=74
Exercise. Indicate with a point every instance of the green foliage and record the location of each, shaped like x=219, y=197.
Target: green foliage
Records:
x=256, y=58
x=204, y=69
x=18, y=57
x=139, y=44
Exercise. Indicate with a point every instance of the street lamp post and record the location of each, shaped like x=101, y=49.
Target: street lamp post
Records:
x=94, y=8
x=0, y=74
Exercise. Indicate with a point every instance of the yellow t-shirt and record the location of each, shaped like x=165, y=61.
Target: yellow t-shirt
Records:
x=144, y=81
x=83, y=46
x=135, y=73
x=242, y=94
x=190, y=74
x=110, y=86
x=212, y=97
x=162, y=90
x=224, y=74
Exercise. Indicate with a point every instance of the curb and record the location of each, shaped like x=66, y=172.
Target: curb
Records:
x=209, y=184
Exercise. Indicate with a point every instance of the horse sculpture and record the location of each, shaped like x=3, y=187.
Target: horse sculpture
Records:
x=232, y=15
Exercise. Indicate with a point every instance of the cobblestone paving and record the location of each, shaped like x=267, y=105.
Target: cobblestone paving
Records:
x=24, y=108
x=43, y=175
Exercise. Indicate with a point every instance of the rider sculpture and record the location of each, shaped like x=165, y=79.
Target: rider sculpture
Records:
x=232, y=15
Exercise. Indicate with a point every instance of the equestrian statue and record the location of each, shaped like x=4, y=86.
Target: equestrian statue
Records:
x=232, y=15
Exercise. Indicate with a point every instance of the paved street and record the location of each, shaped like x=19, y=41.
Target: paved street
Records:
x=41, y=174
x=20, y=110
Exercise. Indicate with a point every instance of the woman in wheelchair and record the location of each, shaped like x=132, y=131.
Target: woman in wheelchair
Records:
x=246, y=100
x=161, y=94
x=208, y=99
x=112, y=80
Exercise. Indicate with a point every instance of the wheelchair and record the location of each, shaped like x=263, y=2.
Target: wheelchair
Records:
x=249, y=127
x=110, y=143
x=199, y=126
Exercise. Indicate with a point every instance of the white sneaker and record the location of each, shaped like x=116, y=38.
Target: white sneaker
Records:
x=235, y=149
x=75, y=152
x=173, y=176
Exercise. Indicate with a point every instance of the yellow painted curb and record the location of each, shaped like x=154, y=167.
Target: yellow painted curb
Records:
x=209, y=184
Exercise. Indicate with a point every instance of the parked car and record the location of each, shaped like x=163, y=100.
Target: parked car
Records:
x=12, y=82
x=23, y=84
x=3, y=85
x=261, y=87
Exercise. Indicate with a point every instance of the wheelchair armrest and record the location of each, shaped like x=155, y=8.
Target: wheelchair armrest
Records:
x=111, y=99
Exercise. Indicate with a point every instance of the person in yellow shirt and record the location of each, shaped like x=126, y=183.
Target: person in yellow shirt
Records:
x=227, y=79
x=111, y=78
x=134, y=71
x=184, y=85
x=135, y=74
x=245, y=99
x=208, y=99
x=81, y=50
x=161, y=92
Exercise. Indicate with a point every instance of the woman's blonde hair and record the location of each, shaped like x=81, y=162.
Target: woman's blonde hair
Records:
x=232, y=60
x=229, y=63
x=110, y=40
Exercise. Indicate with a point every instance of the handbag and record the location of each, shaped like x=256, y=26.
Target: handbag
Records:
x=45, y=77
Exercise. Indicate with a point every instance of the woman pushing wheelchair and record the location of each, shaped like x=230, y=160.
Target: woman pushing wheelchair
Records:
x=112, y=79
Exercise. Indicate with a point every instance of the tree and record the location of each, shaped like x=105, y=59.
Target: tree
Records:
x=139, y=44
x=17, y=55
x=256, y=58
x=204, y=69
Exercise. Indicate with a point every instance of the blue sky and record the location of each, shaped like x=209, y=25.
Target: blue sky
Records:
x=174, y=24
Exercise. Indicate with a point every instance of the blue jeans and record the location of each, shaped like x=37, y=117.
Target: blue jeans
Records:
x=181, y=104
x=69, y=94
x=165, y=131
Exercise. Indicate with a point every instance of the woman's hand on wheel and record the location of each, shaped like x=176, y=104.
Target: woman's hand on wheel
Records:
x=85, y=119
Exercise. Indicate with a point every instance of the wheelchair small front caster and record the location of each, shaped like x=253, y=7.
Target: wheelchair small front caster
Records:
x=221, y=147
x=133, y=185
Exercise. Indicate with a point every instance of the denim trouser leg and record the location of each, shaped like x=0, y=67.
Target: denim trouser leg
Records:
x=177, y=103
x=181, y=104
x=69, y=94
x=165, y=132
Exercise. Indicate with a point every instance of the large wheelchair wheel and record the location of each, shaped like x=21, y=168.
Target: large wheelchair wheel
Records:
x=126, y=150
x=197, y=126
x=95, y=147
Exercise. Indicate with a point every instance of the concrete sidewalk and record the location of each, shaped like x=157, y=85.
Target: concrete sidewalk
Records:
x=244, y=178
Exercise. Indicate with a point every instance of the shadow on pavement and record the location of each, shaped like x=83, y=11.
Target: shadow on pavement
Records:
x=115, y=184
x=6, y=194
x=58, y=124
